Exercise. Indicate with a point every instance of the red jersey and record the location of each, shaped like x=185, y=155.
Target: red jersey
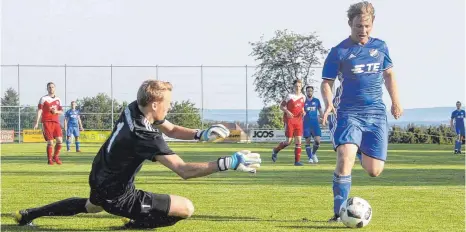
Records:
x=295, y=104
x=47, y=103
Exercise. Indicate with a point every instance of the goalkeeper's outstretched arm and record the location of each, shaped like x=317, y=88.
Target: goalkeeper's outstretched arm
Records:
x=187, y=170
x=214, y=132
x=174, y=131
x=244, y=161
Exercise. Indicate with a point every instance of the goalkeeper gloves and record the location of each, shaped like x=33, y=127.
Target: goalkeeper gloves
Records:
x=244, y=161
x=217, y=131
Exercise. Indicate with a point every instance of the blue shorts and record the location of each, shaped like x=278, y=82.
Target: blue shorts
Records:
x=369, y=132
x=460, y=130
x=311, y=129
x=73, y=130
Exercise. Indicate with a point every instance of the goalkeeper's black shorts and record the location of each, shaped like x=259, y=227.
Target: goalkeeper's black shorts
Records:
x=134, y=204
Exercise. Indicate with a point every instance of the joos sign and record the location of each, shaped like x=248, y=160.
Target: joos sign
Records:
x=267, y=135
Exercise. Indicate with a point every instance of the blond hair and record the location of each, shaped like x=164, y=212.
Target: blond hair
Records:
x=152, y=91
x=297, y=81
x=360, y=9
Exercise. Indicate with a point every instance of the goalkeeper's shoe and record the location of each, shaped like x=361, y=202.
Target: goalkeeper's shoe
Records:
x=335, y=218
x=274, y=155
x=21, y=218
x=132, y=224
x=298, y=164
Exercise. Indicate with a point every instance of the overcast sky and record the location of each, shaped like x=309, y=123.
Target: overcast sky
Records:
x=426, y=40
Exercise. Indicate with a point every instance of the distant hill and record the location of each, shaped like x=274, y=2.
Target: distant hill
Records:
x=435, y=114
x=419, y=116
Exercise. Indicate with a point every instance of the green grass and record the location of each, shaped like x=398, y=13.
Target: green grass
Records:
x=421, y=189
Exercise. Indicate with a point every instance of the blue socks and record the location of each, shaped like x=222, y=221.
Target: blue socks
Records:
x=68, y=144
x=309, y=151
x=341, y=189
x=77, y=145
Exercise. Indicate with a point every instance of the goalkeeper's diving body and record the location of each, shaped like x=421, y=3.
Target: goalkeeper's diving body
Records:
x=136, y=137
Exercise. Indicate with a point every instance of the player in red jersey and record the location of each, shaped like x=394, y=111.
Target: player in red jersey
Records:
x=293, y=108
x=49, y=110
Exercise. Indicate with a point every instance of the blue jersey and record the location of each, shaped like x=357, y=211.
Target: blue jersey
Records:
x=360, y=71
x=458, y=116
x=72, y=117
x=311, y=106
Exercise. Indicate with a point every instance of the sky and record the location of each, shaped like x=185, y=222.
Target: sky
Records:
x=426, y=40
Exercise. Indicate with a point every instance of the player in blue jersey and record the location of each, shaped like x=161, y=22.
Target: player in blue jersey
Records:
x=357, y=116
x=311, y=124
x=73, y=126
x=457, y=124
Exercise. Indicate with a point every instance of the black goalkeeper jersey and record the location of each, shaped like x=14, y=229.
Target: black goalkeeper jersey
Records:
x=133, y=140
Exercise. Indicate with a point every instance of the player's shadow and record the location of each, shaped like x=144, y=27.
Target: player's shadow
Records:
x=221, y=218
x=14, y=227
x=312, y=227
x=49, y=227
x=254, y=219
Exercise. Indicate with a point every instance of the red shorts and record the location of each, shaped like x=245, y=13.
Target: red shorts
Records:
x=293, y=127
x=51, y=130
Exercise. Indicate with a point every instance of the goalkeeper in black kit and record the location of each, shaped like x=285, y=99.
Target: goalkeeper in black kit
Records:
x=136, y=137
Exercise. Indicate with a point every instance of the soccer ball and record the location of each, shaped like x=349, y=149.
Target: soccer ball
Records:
x=355, y=212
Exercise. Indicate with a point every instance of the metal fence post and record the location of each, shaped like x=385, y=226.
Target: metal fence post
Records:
x=111, y=93
x=202, y=98
x=66, y=102
x=19, y=110
x=157, y=72
x=247, y=109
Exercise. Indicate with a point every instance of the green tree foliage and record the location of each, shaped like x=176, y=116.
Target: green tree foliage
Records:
x=185, y=114
x=12, y=113
x=282, y=59
x=271, y=117
x=441, y=134
x=96, y=111
x=9, y=117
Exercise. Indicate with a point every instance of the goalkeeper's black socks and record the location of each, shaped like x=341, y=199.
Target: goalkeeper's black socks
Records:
x=67, y=207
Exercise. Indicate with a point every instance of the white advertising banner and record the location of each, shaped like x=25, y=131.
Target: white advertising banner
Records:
x=265, y=135
x=269, y=135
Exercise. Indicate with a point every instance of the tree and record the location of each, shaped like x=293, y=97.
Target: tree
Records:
x=284, y=58
x=10, y=104
x=96, y=111
x=395, y=135
x=11, y=98
x=28, y=117
x=271, y=117
x=184, y=114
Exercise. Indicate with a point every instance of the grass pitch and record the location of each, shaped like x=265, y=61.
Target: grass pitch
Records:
x=421, y=189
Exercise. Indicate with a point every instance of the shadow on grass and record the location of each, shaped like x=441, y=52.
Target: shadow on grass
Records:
x=253, y=219
x=313, y=227
x=13, y=227
x=83, y=215
x=216, y=218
